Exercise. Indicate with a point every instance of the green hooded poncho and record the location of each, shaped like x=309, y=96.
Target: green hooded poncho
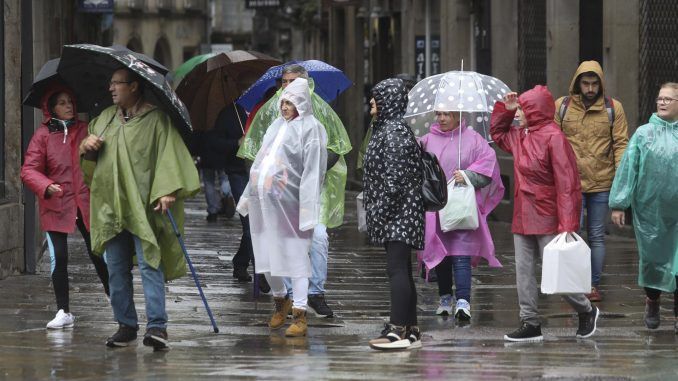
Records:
x=334, y=186
x=646, y=181
x=139, y=162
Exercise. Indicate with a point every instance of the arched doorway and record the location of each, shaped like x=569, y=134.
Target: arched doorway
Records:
x=135, y=45
x=162, y=52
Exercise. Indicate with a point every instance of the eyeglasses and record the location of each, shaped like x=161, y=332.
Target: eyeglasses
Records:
x=116, y=83
x=665, y=101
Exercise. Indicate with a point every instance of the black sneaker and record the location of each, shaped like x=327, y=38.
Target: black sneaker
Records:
x=651, y=313
x=212, y=217
x=392, y=337
x=240, y=273
x=587, y=323
x=525, y=333
x=123, y=337
x=414, y=336
x=157, y=338
x=318, y=305
x=264, y=287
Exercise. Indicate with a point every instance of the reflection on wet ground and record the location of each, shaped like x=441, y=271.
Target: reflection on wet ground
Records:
x=335, y=348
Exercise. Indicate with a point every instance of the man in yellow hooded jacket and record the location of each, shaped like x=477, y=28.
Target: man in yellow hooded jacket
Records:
x=595, y=125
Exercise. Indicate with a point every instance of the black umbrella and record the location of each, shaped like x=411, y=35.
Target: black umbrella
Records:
x=88, y=68
x=46, y=78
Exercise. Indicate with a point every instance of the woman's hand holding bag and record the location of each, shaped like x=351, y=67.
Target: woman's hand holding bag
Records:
x=461, y=210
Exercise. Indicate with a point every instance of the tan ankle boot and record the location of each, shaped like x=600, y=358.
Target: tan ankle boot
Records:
x=282, y=308
x=299, y=327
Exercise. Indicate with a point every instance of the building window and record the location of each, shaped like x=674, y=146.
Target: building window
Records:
x=531, y=43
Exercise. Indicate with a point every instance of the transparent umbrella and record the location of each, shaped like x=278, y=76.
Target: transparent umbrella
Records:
x=466, y=92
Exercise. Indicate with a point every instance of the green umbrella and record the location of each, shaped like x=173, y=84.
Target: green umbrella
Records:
x=187, y=66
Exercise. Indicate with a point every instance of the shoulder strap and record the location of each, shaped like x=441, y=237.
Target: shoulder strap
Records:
x=609, y=107
x=563, y=109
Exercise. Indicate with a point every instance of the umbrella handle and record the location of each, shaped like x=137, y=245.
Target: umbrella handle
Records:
x=239, y=121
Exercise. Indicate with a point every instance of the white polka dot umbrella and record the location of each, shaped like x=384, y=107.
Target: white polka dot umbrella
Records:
x=469, y=92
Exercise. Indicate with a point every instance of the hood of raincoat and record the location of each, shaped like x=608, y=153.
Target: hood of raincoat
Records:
x=299, y=94
x=391, y=97
x=585, y=67
x=55, y=88
x=538, y=107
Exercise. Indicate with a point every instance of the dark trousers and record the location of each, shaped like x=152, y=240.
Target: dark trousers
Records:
x=462, y=276
x=245, y=254
x=654, y=294
x=403, y=292
x=58, y=251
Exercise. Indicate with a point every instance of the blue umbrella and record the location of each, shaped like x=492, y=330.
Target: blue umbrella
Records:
x=329, y=82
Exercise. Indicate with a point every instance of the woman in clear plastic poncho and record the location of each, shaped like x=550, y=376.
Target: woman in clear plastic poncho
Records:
x=646, y=181
x=283, y=201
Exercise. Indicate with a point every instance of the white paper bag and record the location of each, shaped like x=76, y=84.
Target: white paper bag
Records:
x=362, y=217
x=566, y=266
x=461, y=210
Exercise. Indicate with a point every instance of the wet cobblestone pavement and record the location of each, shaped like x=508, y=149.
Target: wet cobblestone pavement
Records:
x=336, y=348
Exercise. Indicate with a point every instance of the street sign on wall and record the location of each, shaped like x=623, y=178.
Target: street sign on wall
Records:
x=254, y=4
x=95, y=6
x=420, y=56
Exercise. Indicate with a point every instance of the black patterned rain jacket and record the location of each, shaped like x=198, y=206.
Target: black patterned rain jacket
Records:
x=393, y=174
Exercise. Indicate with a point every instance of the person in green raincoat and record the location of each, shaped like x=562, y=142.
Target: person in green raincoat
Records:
x=332, y=196
x=646, y=181
x=137, y=168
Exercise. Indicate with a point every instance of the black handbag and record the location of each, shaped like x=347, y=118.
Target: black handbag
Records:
x=434, y=188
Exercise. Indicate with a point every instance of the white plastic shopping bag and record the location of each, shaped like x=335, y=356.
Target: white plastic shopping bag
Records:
x=566, y=266
x=461, y=210
x=362, y=217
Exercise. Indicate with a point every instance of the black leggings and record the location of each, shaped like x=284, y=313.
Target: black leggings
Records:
x=58, y=250
x=653, y=294
x=403, y=292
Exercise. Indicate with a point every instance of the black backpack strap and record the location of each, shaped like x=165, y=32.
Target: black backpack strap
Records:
x=609, y=107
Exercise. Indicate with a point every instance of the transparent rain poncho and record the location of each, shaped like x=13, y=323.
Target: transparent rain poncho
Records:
x=332, y=207
x=282, y=197
x=646, y=181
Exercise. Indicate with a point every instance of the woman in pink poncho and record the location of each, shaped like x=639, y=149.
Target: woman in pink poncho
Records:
x=460, y=249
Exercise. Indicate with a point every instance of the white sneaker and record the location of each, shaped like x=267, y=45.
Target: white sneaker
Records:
x=445, y=306
x=61, y=320
x=462, y=310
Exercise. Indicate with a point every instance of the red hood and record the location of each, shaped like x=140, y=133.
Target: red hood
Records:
x=52, y=89
x=538, y=106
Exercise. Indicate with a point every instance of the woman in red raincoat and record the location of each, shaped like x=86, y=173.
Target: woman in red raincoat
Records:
x=547, y=199
x=52, y=171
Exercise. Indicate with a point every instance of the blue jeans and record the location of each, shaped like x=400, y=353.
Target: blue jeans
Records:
x=461, y=265
x=320, y=247
x=212, y=192
x=119, y=252
x=596, y=208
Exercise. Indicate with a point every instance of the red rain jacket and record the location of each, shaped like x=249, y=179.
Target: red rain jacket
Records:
x=48, y=160
x=547, y=195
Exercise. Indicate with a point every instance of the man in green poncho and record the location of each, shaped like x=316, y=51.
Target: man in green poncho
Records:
x=142, y=169
x=332, y=196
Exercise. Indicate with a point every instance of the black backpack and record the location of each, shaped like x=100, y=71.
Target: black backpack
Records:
x=434, y=187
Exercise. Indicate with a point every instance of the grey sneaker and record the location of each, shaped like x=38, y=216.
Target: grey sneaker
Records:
x=445, y=306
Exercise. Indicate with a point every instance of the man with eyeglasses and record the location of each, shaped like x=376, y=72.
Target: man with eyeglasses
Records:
x=137, y=168
x=595, y=125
